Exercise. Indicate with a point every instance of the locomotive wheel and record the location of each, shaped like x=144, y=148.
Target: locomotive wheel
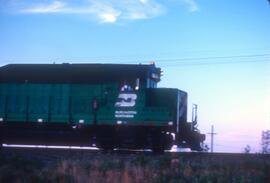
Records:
x=106, y=145
x=107, y=150
x=158, y=142
x=158, y=150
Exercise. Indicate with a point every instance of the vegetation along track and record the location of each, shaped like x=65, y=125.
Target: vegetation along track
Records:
x=71, y=165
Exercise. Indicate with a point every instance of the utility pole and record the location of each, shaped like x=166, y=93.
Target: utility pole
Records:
x=212, y=138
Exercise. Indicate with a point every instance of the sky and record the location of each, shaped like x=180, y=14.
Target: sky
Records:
x=217, y=51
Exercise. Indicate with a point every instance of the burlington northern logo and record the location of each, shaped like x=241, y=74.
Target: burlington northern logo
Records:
x=126, y=100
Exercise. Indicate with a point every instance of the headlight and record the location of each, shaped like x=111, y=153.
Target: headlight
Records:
x=170, y=123
x=119, y=122
x=39, y=120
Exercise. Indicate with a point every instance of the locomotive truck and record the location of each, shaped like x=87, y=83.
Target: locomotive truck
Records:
x=102, y=105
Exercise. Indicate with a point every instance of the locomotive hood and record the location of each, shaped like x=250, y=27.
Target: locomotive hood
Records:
x=76, y=73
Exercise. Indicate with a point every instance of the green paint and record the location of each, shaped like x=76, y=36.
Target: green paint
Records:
x=70, y=103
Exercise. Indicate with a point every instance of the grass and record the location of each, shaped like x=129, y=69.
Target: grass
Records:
x=82, y=167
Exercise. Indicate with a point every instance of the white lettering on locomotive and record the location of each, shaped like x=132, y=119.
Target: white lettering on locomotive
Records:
x=126, y=100
x=125, y=114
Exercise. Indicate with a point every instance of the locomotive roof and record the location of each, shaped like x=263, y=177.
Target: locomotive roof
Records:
x=74, y=73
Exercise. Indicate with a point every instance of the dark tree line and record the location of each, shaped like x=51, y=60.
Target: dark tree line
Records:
x=265, y=142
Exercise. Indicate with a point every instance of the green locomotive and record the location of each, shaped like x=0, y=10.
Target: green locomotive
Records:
x=104, y=105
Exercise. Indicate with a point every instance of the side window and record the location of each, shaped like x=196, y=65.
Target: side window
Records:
x=148, y=83
x=151, y=83
x=137, y=84
x=130, y=85
x=126, y=87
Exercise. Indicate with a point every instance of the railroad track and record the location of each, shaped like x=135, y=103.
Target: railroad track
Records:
x=73, y=151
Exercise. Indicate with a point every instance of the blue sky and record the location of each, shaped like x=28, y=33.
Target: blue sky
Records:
x=217, y=51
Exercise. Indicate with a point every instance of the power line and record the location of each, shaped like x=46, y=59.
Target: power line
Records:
x=180, y=61
x=215, y=58
x=186, y=61
x=215, y=63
